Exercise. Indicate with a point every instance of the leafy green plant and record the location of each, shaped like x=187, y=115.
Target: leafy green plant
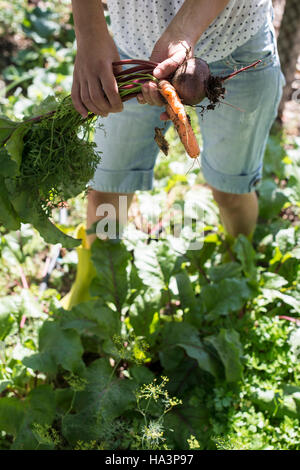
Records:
x=44, y=162
x=102, y=358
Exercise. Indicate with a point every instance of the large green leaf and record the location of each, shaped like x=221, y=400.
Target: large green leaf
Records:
x=274, y=155
x=92, y=317
x=227, y=296
x=227, y=344
x=184, y=421
x=103, y=400
x=9, y=311
x=186, y=292
x=290, y=268
x=171, y=358
x=111, y=261
x=6, y=323
x=83, y=426
x=198, y=258
x=246, y=255
x=224, y=271
x=12, y=412
x=6, y=128
x=42, y=404
x=15, y=144
x=8, y=215
x=40, y=410
x=42, y=361
x=57, y=346
x=25, y=205
x=271, y=199
x=192, y=306
x=144, y=315
x=63, y=400
x=8, y=167
x=186, y=336
x=51, y=233
x=155, y=263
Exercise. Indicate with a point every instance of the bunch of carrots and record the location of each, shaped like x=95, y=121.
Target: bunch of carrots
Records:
x=130, y=83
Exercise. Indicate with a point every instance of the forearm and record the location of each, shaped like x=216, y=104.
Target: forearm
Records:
x=194, y=17
x=89, y=20
x=94, y=84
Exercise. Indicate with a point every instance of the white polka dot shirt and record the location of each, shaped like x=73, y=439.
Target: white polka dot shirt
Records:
x=136, y=25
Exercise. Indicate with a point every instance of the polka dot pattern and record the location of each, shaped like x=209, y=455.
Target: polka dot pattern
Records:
x=137, y=25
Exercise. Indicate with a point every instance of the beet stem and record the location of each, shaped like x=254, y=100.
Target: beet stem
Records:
x=228, y=77
x=139, y=68
x=132, y=75
x=134, y=83
x=135, y=77
x=291, y=319
x=136, y=61
x=233, y=106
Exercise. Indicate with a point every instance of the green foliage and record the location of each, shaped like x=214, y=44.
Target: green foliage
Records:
x=111, y=260
x=229, y=348
x=235, y=379
x=45, y=175
x=57, y=347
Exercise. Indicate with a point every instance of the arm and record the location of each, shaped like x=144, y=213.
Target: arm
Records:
x=194, y=17
x=181, y=35
x=94, y=85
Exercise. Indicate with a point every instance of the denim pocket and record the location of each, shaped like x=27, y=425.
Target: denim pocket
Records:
x=262, y=46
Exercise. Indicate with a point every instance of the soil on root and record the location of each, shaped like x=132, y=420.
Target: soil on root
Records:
x=161, y=140
x=215, y=91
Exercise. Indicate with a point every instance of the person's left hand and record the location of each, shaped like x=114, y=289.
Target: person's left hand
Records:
x=169, y=53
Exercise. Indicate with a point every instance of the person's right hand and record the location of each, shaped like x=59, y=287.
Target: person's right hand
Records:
x=94, y=85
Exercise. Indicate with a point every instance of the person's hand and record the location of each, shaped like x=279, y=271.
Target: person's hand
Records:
x=94, y=85
x=169, y=53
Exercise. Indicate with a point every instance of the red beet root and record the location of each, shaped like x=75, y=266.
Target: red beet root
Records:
x=190, y=80
x=194, y=82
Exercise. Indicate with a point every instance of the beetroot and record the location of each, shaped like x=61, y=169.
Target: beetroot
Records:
x=190, y=80
x=193, y=82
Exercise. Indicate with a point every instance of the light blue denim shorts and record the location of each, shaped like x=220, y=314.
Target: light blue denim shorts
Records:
x=234, y=142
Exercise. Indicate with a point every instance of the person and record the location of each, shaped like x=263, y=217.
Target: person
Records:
x=227, y=34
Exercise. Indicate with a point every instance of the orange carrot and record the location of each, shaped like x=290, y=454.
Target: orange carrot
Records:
x=178, y=116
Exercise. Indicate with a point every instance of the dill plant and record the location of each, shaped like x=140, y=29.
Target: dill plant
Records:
x=151, y=435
